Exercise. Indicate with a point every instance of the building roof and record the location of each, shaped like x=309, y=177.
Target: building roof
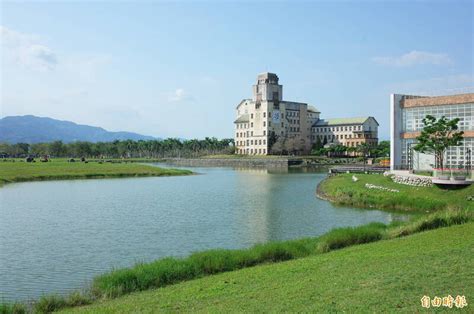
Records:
x=242, y=101
x=268, y=75
x=242, y=119
x=343, y=121
x=411, y=101
x=313, y=109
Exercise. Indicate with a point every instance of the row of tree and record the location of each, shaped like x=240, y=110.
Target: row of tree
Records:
x=382, y=149
x=170, y=147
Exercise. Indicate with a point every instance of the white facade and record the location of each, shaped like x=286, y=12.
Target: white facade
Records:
x=267, y=122
x=267, y=114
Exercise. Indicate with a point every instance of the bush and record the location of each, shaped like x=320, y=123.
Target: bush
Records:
x=171, y=270
x=433, y=221
x=50, y=303
x=15, y=308
x=343, y=237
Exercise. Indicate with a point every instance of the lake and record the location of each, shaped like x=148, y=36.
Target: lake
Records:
x=55, y=236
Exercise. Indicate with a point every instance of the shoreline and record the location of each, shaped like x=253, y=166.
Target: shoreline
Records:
x=341, y=190
x=319, y=192
x=170, y=271
x=86, y=177
x=62, y=170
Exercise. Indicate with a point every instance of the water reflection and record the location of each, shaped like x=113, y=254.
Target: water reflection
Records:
x=55, y=236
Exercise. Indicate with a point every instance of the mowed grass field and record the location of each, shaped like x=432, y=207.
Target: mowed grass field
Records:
x=342, y=190
x=385, y=276
x=19, y=171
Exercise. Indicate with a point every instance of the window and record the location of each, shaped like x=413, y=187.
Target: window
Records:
x=264, y=132
x=251, y=124
x=259, y=142
x=269, y=123
x=264, y=123
x=251, y=116
x=251, y=133
x=251, y=142
x=264, y=114
x=264, y=142
x=282, y=124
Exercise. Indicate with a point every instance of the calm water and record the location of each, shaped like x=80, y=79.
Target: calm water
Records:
x=55, y=236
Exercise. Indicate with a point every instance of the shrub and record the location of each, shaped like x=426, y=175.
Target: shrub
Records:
x=15, y=308
x=50, y=303
x=343, y=237
x=171, y=270
x=433, y=221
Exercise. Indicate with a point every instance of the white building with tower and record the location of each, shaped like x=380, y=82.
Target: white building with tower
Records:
x=268, y=124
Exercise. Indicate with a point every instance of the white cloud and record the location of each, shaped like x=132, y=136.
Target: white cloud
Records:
x=27, y=50
x=179, y=95
x=444, y=85
x=415, y=58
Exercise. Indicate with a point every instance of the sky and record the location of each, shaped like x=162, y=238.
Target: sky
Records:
x=178, y=69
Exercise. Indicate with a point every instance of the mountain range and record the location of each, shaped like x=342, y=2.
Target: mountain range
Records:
x=32, y=129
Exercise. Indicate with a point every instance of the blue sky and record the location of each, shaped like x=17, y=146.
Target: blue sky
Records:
x=179, y=69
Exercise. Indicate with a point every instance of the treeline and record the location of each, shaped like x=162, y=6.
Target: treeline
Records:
x=170, y=147
x=382, y=149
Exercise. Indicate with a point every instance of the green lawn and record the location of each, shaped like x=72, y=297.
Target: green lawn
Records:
x=60, y=169
x=340, y=189
x=386, y=276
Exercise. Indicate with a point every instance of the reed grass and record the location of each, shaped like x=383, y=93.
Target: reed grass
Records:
x=169, y=271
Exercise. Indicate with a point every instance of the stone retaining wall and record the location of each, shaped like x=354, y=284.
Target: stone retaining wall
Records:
x=412, y=180
x=230, y=162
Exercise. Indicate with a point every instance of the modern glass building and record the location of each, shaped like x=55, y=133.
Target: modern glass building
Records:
x=406, y=115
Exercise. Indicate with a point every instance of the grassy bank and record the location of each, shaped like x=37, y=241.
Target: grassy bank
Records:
x=365, y=278
x=61, y=169
x=342, y=190
x=171, y=271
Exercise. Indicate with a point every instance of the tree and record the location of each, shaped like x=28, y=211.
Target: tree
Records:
x=317, y=148
x=272, y=139
x=382, y=149
x=318, y=144
x=279, y=146
x=437, y=136
x=364, y=149
x=290, y=145
x=57, y=149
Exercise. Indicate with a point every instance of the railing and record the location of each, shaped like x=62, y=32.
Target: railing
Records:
x=457, y=174
x=355, y=169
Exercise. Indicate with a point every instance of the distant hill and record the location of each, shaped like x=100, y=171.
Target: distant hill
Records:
x=32, y=129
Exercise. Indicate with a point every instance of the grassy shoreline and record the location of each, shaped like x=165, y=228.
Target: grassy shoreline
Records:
x=363, y=278
x=170, y=271
x=11, y=172
x=341, y=190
